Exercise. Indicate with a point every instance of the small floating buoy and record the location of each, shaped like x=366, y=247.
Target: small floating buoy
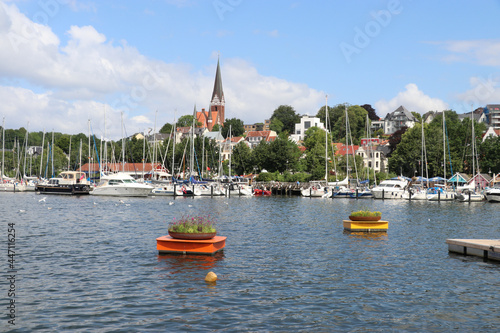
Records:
x=211, y=277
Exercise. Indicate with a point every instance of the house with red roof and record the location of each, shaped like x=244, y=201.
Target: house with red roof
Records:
x=255, y=137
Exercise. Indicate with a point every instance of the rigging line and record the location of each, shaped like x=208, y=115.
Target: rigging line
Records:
x=449, y=152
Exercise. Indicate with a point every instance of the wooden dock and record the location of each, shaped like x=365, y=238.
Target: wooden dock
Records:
x=484, y=248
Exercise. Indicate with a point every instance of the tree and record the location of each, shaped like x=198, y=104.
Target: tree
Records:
x=288, y=117
x=276, y=125
x=372, y=115
x=284, y=154
x=216, y=128
x=262, y=156
x=314, y=161
x=417, y=116
x=236, y=125
x=187, y=121
x=489, y=153
x=167, y=128
x=406, y=156
x=395, y=139
x=241, y=159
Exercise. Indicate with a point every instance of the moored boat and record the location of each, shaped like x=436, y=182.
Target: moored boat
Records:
x=390, y=189
x=492, y=194
x=121, y=185
x=468, y=195
x=68, y=182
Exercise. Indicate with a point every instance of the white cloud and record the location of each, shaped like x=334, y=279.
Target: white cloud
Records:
x=62, y=86
x=253, y=97
x=412, y=99
x=483, y=52
x=483, y=91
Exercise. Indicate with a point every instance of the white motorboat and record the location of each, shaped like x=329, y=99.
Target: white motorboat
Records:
x=492, y=194
x=390, y=189
x=12, y=186
x=239, y=189
x=440, y=194
x=121, y=185
x=317, y=190
x=415, y=193
x=207, y=190
x=470, y=196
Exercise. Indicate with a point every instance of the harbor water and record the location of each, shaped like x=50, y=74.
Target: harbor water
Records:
x=89, y=264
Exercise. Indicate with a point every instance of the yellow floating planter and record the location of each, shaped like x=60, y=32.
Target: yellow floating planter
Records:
x=367, y=226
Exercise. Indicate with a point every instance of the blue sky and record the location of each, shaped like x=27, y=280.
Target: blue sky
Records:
x=66, y=61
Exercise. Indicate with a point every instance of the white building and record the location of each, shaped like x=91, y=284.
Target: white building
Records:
x=372, y=154
x=306, y=122
x=398, y=119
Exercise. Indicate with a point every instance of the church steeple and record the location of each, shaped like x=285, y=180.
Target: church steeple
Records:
x=217, y=104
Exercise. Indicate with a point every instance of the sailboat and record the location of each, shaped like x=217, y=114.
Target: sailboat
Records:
x=419, y=192
x=121, y=184
x=470, y=194
x=8, y=184
x=441, y=193
x=317, y=189
x=342, y=190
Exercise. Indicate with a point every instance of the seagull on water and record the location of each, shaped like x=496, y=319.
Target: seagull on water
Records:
x=42, y=199
x=171, y=203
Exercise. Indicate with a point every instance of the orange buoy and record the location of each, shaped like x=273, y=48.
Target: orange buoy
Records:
x=211, y=277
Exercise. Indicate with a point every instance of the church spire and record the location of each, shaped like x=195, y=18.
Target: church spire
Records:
x=217, y=104
x=218, y=92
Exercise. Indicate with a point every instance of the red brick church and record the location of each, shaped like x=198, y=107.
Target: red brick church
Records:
x=215, y=115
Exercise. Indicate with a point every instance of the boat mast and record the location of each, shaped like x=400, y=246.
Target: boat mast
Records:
x=155, y=157
x=26, y=149
x=173, y=146
x=230, y=151
x=123, y=146
x=80, y=155
x=347, y=147
x=326, y=138
x=191, y=157
x=88, y=159
x=473, y=143
x=3, y=145
x=69, y=155
x=444, y=147
x=41, y=158
x=52, y=153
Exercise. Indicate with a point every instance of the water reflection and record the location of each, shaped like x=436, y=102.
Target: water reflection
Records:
x=182, y=263
x=366, y=235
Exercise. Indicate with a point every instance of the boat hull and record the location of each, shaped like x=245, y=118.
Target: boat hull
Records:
x=75, y=189
x=387, y=194
x=122, y=191
x=12, y=187
x=493, y=195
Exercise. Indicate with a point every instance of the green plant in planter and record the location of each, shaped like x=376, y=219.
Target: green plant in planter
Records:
x=192, y=225
x=366, y=213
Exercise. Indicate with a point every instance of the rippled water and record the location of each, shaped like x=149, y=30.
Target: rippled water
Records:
x=91, y=264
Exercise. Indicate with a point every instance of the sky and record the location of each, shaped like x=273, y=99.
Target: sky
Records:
x=78, y=66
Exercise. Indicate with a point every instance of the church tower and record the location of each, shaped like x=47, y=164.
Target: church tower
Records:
x=218, y=103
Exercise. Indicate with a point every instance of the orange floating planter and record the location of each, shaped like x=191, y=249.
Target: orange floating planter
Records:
x=369, y=226
x=167, y=244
